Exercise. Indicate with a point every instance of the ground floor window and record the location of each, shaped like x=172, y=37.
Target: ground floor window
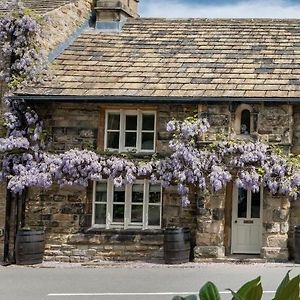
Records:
x=131, y=206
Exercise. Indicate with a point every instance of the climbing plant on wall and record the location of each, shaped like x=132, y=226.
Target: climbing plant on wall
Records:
x=192, y=163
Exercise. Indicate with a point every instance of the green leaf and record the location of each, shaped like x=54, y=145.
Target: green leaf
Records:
x=250, y=290
x=177, y=298
x=235, y=295
x=209, y=292
x=282, y=285
x=290, y=291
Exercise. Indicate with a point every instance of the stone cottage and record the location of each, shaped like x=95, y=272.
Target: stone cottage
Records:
x=116, y=86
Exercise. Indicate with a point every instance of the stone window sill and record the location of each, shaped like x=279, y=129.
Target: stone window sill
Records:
x=130, y=231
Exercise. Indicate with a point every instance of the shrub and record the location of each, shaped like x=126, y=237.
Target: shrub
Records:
x=251, y=290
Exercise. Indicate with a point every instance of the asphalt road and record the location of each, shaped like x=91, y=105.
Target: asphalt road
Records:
x=133, y=281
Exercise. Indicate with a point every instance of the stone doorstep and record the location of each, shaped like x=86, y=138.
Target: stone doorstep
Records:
x=235, y=259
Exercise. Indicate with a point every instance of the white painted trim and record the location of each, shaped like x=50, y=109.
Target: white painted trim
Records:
x=128, y=206
x=123, y=113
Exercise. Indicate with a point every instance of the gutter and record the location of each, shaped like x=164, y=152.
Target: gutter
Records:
x=149, y=99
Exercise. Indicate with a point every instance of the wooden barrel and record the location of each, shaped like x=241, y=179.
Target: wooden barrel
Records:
x=297, y=244
x=30, y=245
x=177, y=245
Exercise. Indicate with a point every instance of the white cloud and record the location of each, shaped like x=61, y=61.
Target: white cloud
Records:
x=243, y=9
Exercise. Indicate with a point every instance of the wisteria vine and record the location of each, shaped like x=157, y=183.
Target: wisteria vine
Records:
x=21, y=56
x=191, y=163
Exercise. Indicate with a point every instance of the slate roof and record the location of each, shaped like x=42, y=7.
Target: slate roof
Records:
x=40, y=6
x=182, y=58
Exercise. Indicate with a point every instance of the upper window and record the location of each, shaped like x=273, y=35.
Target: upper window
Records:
x=131, y=206
x=130, y=131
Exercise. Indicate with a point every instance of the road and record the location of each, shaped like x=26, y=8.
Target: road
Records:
x=133, y=281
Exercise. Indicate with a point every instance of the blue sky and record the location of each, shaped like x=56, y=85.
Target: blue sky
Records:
x=220, y=8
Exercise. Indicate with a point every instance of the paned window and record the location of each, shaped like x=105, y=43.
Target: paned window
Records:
x=130, y=131
x=132, y=206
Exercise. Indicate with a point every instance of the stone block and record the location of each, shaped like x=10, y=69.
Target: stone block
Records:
x=272, y=227
x=275, y=253
x=284, y=228
x=155, y=239
x=218, y=214
x=53, y=253
x=203, y=212
x=62, y=258
x=75, y=259
x=59, y=198
x=120, y=238
x=277, y=241
x=77, y=252
x=91, y=252
x=280, y=215
x=209, y=239
x=208, y=252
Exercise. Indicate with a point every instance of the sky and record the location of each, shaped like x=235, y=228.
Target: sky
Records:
x=220, y=8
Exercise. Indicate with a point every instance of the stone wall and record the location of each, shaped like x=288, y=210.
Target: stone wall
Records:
x=271, y=123
x=276, y=210
x=210, y=235
x=66, y=213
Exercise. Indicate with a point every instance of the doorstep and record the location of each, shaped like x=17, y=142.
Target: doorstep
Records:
x=237, y=259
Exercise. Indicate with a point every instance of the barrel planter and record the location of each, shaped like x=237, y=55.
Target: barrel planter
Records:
x=30, y=245
x=177, y=245
x=297, y=244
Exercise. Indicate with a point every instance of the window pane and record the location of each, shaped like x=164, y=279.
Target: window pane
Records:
x=242, y=203
x=255, y=205
x=101, y=192
x=154, y=193
x=119, y=194
x=130, y=139
x=137, y=214
x=131, y=122
x=113, y=140
x=113, y=121
x=137, y=193
x=148, y=122
x=154, y=215
x=147, y=141
x=118, y=213
x=100, y=214
x=245, y=122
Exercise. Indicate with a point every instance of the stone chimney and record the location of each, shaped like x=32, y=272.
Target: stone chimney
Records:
x=116, y=10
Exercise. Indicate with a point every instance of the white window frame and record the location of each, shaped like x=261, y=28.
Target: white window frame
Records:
x=128, y=204
x=123, y=113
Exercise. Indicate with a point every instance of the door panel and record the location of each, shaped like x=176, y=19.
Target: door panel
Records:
x=246, y=221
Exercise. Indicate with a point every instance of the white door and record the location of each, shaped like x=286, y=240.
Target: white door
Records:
x=246, y=221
